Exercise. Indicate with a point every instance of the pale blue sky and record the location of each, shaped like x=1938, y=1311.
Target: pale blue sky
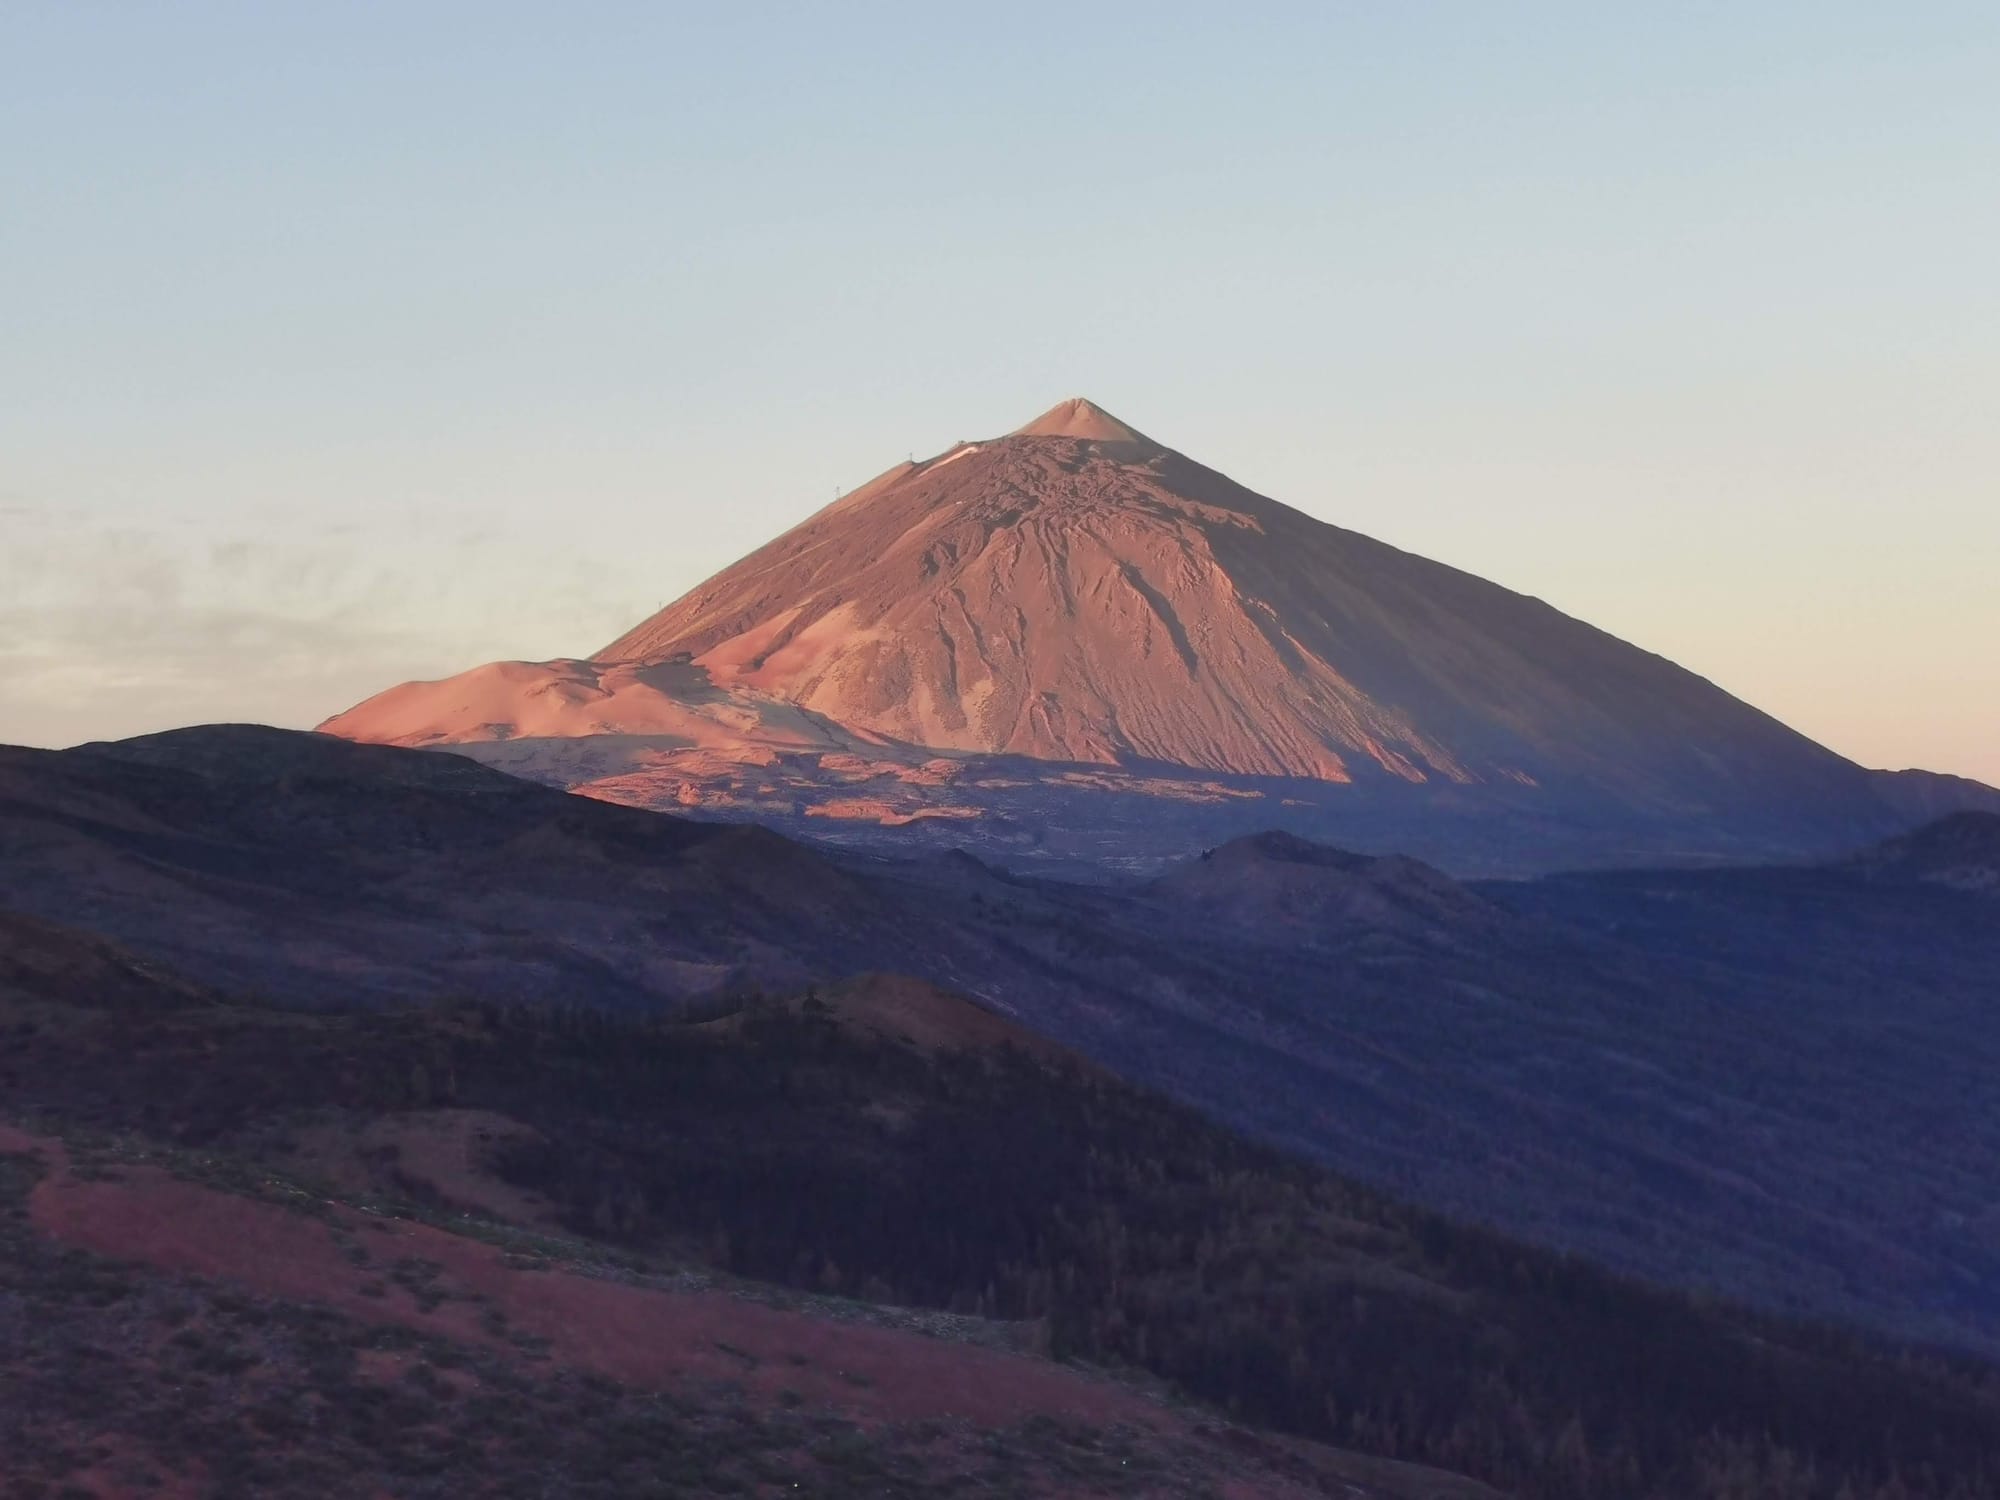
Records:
x=344, y=344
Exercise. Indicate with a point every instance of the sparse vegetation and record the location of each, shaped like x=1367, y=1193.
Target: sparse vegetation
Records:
x=249, y=1397
x=1112, y=1226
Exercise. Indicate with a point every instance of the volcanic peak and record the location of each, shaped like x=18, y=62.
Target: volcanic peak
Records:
x=1085, y=421
x=1072, y=593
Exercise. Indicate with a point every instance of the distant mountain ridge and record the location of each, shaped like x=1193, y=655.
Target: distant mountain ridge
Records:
x=1076, y=595
x=1961, y=851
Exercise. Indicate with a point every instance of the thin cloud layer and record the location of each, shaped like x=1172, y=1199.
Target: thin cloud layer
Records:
x=115, y=630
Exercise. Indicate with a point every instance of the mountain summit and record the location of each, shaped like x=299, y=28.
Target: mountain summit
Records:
x=1073, y=594
x=1078, y=418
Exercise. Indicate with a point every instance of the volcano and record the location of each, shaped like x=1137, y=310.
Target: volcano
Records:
x=1034, y=629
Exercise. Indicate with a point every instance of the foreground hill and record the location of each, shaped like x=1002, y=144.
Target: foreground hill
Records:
x=1022, y=636
x=199, y=1326
x=590, y=1224
x=1772, y=1083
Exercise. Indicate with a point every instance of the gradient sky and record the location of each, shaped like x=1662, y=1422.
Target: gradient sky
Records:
x=343, y=344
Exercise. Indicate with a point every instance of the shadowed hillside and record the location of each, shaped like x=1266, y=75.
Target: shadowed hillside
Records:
x=883, y=1145
x=1772, y=1083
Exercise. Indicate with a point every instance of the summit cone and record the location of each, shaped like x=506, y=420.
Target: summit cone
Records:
x=1074, y=595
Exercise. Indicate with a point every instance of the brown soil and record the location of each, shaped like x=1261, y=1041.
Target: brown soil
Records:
x=389, y=1271
x=637, y=1335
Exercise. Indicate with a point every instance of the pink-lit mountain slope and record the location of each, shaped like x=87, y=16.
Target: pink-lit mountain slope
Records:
x=1016, y=629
